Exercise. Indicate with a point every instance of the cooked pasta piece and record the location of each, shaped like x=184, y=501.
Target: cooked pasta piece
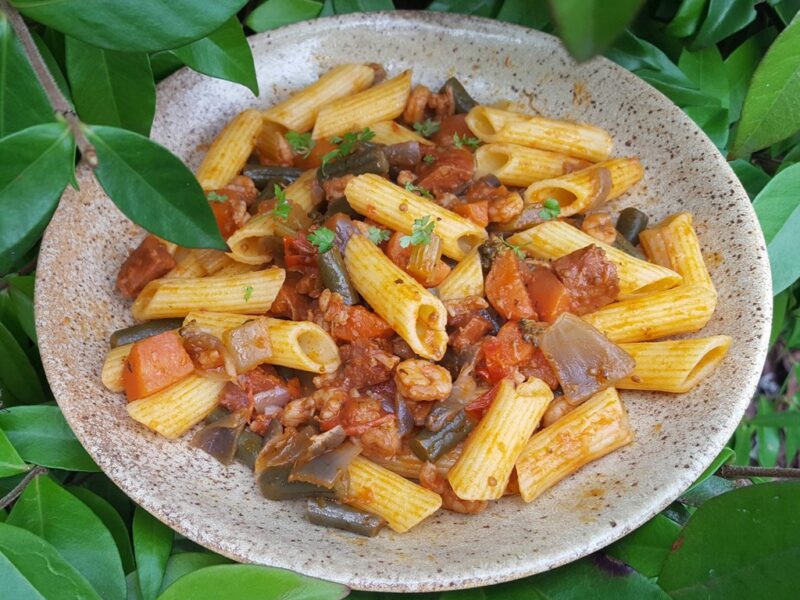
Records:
x=588, y=188
x=673, y=243
x=247, y=243
x=674, y=365
x=576, y=139
x=390, y=132
x=300, y=191
x=520, y=166
x=412, y=311
x=188, y=266
x=271, y=144
x=392, y=206
x=245, y=293
x=377, y=490
x=683, y=309
x=491, y=450
x=235, y=268
x=594, y=429
x=176, y=409
x=111, y=373
x=466, y=278
x=230, y=150
x=299, y=111
x=554, y=239
x=383, y=102
x=213, y=261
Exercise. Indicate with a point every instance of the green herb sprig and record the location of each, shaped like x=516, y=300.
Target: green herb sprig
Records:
x=465, y=140
x=322, y=238
x=426, y=128
x=421, y=233
x=301, y=143
x=283, y=207
x=376, y=235
x=551, y=209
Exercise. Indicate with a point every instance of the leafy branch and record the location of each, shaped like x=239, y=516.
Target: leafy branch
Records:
x=9, y=498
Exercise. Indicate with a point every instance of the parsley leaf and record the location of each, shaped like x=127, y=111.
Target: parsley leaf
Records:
x=420, y=233
x=426, y=128
x=322, y=238
x=515, y=249
x=301, y=143
x=429, y=159
x=248, y=292
x=419, y=190
x=282, y=207
x=377, y=235
x=346, y=144
x=551, y=209
x=460, y=142
x=215, y=197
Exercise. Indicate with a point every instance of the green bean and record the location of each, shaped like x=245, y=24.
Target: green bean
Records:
x=620, y=243
x=367, y=158
x=248, y=446
x=275, y=485
x=463, y=101
x=261, y=174
x=630, y=223
x=327, y=513
x=429, y=445
x=143, y=330
x=335, y=277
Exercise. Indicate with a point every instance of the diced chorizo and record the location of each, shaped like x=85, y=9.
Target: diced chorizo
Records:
x=349, y=323
x=456, y=124
x=150, y=260
x=505, y=287
x=591, y=279
x=449, y=172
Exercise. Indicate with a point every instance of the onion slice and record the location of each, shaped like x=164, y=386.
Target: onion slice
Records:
x=219, y=439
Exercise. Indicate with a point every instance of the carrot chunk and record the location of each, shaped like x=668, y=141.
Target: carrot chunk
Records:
x=155, y=363
x=505, y=288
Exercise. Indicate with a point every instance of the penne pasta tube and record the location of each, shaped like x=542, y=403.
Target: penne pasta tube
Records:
x=466, y=278
x=300, y=191
x=247, y=243
x=176, y=409
x=683, y=309
x=491, y=450
x=553, y=239
x=245, y=293
x=299, y=345
x=520, y=166
x=299, y=111
x=673, y=243
x=597, y=427
x=271, y=145
x=383, y=102
x=391, y=132
x=397, y=208
x=213, y=261
x=412, y=311
x=230, y=150
x=674, y=365
x=588, y=188
x=576, y=139
x=111, y=373
x=235, y=268
x=401, y=502
x=188, y=266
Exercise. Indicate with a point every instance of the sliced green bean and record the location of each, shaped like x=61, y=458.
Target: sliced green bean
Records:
x=327, y=513
x=367, y=158
x=335, y=277
x=275, y=485
x=463, y=101
x=430, y=445
x=261, y=174
x=248, y=446
x=143, y=330
x=630, y=223
x=620, y=243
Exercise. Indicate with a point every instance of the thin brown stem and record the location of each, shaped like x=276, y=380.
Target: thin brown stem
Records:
x=60, y=104
x=734, y=472
x=20, y=487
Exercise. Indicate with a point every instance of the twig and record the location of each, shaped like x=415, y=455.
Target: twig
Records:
x=14, y=494
x=57, y=100
x=734, y=472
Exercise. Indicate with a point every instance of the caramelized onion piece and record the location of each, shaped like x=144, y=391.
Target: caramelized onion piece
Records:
x=327, y=469
x=464, y=391
x=219, y=439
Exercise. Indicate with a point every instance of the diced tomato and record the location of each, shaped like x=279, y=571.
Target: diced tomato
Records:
x=550, y=297
x=224, y=214
x=452, y=169
x=361, y=323
x=450, y=126
x=478, y=407
x=314, y=159
x=470, y=333
x=505, y=287
x=299, y=253
x=155, y=363
x=504, y=353
x=484, y=190
x=477, y=212
x=400, y=256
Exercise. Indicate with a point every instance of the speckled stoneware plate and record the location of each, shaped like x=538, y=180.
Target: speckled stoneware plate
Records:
x=220, y=508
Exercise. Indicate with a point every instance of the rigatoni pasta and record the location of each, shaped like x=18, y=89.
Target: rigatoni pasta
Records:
x=229, y=150
x=465, y=280
x=520, y=166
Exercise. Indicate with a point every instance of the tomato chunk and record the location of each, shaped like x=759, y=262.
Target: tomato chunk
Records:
x=477, y=212
x=155, y=363
x=506, y=290
x=550, y=297
x=450, y=126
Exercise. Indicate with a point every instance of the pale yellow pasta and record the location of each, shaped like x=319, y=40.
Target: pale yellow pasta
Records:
x=594, y=429
x=299, y=345
x=188, y=266
x=492, y=448
x=246, y=293
x=176, y=409
x=554, y=239
x=383, y=102
x=235, y=268
x=401, y=502
x=674, y=365
x=466, y=278
x=230, y=150
x=412, y=311
x=391, y=132
x=299, y=192
x=247, y=243
x=683, y=309
x=111, y=373
x=213, y=261
x=299, y=111
x=576, y=139
x=673, y=243
x=392, y=206
x=588, y=188
x=520, y=166
x=271, y=144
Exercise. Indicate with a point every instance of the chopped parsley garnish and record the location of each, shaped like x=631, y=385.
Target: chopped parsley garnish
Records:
x=322, y=238
x=377, y=235
x=429, y=159
x=426, y=128
x=282, y=207
x=419, y=190
x=346, y=143
x=515, y=249
x=551, y=209
x=215, y=197
x=248, y=292
x=460, y=142
x=301, y=143
x=420, y=233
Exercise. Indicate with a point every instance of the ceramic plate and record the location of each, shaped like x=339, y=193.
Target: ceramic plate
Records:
x=220, y=508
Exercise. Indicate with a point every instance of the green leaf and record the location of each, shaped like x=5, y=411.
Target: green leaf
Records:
x=786, y=9
x=130, y=25
x=16, y=371
x=710, y=488
x=753, y=177
x=530, y=13
x=220, y=581
x=113, y=522
x=707, y=71
x=10, y=462
x=182, y=564
x=32, y=568
x=768, y=438
x=588, y=27
x=41, y=436
x=51, y=512
x=771, y=110
x=152, y=542
x=724, y=18
x=646, y=548
x=482, y=8
x=27, y=199
x=52, y=65
x=791, y=442
x=224, y=54
x=277, y=13
x=343, y=7
x=687, y=19
x=154, y=188
x=3, y=515
x=778, y=209
x=741, y=444
x=742, y=544
x=740, y=66
x=725, y=455
x=779, y=309
x=713, y=121
x=779, y=419
x=21, y=294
